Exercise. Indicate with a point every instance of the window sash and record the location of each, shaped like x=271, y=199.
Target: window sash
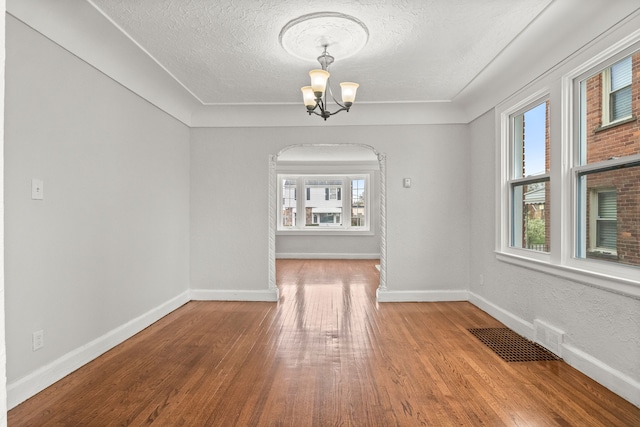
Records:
x=524, y=147
x=324, y=206
x=524, y=211
x=617, y=99
x=597, y=225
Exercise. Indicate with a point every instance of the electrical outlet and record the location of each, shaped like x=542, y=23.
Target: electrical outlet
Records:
x=548, y=336
x=37, y=340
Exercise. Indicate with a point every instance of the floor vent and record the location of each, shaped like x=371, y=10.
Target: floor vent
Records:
x=512, y=347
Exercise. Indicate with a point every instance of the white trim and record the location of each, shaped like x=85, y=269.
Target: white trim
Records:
x=618, y=285
x=509, y=319
x=27, y=386
x=292, y=255
x=3, y=348
x=385, y=295
x=614, y=380
x=107, y=49
x=300, y=167
x=144, y=50
x=262, y=295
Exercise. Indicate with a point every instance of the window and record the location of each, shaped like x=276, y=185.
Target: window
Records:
x=358, y=203
x=529, y=179
x=591, y=172
x=603, y=224
x=607, y=168
x=289, y=203
x=616, y=92
x=324, y=208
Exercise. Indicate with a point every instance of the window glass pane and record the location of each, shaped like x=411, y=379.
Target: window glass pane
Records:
x=621, y=74
x=604, y=98
x=357, y=203
x=288, y=203
x=609, y=215
x=531, y=216
x=323, y=207
x=531, y=142
x=620, y=103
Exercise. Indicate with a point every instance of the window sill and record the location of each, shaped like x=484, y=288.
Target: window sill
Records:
x=325, y=232
x=610, y=283
x=615, y=124
x=605, y=254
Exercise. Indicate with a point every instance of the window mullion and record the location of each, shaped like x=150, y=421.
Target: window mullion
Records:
x=300, y=202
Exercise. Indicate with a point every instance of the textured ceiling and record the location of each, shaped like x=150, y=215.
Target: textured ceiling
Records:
x=227, y=51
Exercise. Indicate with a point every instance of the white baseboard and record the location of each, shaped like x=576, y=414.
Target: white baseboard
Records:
x=27, y=386
x=285, y=255
x=234, y=295
x=614, y=380
x=510, y=320
x=421, y=296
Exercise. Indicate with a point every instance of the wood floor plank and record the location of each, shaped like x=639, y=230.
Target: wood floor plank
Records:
x=326, y=354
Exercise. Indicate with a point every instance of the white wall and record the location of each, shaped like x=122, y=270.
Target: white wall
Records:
x=109, y=244
x=427, y=225
x=3, y=352
x=318, y=246
x=602, y=328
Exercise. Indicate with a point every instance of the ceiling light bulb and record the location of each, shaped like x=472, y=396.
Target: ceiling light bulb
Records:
x=318, y=81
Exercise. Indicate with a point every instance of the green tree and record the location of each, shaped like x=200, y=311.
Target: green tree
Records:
x=535, y=231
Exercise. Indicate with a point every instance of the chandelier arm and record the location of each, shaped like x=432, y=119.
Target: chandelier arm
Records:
x=333, y=97
x=337, y=111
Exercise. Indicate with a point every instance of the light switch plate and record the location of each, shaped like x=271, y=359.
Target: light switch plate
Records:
x=37, y=189
x=406, y=183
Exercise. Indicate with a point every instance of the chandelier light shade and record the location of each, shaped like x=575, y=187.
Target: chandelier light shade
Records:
x=308, y=97
x=319, y=81
x=349, y=92
x=315, y=96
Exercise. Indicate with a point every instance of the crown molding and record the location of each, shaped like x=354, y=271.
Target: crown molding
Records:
x=82, y=30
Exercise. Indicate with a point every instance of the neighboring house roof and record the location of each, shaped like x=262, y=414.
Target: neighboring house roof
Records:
x=535, y=196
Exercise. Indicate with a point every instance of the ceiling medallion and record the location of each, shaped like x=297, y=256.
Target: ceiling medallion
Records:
x=303, y=37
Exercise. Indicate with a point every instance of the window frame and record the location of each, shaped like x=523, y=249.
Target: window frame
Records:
x=606, y=119
x=576, y=166
x=595, y=220
x=508, y=180
x=562, y=86
x=345, y=197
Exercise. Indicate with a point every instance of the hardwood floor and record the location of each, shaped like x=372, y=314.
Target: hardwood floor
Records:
x=326, y=355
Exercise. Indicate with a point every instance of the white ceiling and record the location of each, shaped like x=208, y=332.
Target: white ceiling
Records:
x=219, y=63
x=227, y=51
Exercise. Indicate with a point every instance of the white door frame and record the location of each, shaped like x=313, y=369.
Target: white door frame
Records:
x=273, y=213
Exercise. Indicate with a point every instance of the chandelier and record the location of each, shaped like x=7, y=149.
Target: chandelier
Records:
x=315, y=96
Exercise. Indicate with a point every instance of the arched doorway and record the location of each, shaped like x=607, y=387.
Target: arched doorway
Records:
x=327, y=152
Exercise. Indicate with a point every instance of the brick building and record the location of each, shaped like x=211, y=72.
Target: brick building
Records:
x=612, y=130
